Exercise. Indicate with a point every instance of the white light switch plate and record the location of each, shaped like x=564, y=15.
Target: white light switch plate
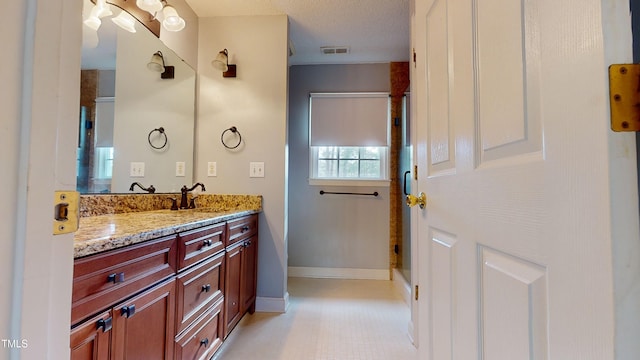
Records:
x=180, y=171
x=212, y=169
x=136, y=169
x=256, y=169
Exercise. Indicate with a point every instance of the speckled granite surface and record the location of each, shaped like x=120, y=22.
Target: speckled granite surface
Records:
x=93, y=205
x=124, y=226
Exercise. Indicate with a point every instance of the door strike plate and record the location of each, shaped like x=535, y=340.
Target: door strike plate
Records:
x=65, y=212
x=624, y=97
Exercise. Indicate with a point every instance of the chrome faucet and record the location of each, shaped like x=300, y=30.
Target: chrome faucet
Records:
x=184, y=204
x=150, y=189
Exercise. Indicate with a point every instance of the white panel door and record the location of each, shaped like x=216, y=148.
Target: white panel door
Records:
x=514, y=247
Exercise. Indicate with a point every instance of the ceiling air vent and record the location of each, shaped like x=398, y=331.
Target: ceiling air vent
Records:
x=332, y=50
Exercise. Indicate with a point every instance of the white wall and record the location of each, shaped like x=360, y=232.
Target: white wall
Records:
x=43, y=65
x=256, y=103
x=333, y=231
x=145, y=102
x=185, y=41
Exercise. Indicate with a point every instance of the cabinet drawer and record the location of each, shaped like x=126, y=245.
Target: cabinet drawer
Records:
x=101, y=280
x=199, y=244
x=198, y=288
x=241, y=229
x=203, y=338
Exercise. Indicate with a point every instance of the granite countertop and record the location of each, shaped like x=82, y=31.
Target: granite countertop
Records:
x=106, y=232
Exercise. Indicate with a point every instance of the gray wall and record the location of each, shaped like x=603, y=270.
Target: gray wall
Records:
x=332, y=231
x=256, y=103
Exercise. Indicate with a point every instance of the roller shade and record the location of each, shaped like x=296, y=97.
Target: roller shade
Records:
x=349, y=119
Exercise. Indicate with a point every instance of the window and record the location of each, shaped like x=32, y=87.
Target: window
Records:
x=349, y=136
x=349, y=162
x=104, y=162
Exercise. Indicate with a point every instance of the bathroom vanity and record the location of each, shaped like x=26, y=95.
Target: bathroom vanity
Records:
x=162, y=284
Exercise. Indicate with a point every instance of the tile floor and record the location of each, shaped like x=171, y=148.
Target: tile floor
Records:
x=327, y=319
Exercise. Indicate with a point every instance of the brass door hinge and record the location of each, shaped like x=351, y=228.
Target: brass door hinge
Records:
x=415, y=172
x=624, y=97
x=66, y=215
x=414, y=57
x=416, y=292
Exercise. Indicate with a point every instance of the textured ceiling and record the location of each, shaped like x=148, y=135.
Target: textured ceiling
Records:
x=374, y=30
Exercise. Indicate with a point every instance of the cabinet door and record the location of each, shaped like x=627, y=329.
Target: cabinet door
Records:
x=144, y=326
x=249, y=275
x=232, y=304
x=91, y=340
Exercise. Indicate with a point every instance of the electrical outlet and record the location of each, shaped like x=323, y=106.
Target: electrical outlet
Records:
x=180, y=171
x=136, y=169
x=212, y=169
x=256, y=169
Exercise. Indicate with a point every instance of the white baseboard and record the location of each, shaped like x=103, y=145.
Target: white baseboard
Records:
x=268, y=304
x=403, y=286
x=338, y=273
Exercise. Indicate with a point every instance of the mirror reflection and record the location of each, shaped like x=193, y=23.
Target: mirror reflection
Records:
x=124, y=103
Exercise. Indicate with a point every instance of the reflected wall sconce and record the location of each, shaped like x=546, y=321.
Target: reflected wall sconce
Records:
x=98, y=11
x=221, y=62
x=172, y=21
x=125, y=21
x=145, y=11
x=157, y=64
x=150, y=6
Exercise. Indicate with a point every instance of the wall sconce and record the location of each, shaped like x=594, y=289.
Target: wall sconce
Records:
x=157, y=64
x=221, y=62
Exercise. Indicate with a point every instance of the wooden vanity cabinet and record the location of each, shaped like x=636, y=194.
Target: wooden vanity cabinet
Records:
x=175, y=297
x=144, y=326
x=101, y=280
x=241, y=272
x=198, y=288
x=201, y=278
x=92, y=339
x=202, y=339
x=138, y=328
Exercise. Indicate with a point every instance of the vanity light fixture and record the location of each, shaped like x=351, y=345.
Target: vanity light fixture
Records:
x=125, y=21
x=157, y=64
x=172, y=21
x=221, y=62
x=98, y=11
x=150, y=6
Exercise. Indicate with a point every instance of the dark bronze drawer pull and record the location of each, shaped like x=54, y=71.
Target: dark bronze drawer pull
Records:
x=207, y=242
x=204, y=342
x=105, y=324
x=128, y=311
x=206, y=288
x=245, y=228
x=116, y=278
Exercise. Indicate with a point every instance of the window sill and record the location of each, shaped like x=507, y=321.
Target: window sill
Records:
x=347, y=182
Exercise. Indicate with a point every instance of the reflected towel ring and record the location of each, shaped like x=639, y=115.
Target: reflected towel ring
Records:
x=234, y=130
x=161, y=131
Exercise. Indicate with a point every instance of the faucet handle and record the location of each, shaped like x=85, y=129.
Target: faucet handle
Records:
x=174, y=203
x=192, y=203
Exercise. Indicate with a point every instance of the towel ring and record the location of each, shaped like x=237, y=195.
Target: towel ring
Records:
x=161, y=131
x=234, y=130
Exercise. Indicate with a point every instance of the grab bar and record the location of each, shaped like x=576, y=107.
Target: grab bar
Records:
x=322, y=192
